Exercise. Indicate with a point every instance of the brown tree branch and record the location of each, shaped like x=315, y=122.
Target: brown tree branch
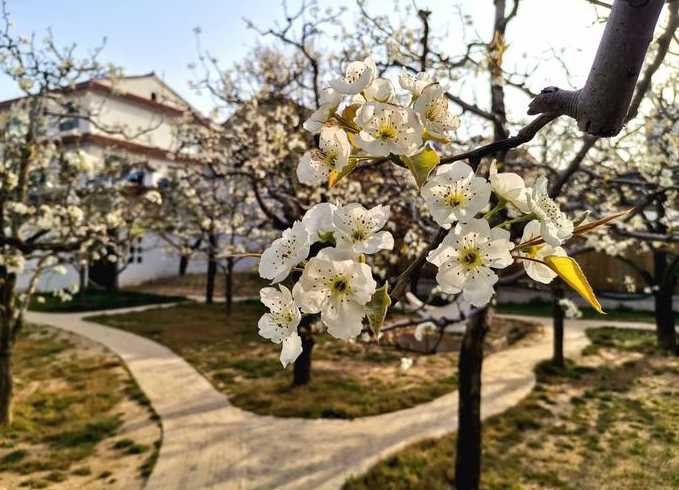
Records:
x=601, y=106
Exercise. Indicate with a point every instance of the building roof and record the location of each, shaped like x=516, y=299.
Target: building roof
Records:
x=104, y=86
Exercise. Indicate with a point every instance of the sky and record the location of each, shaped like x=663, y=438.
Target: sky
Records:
x=157, y=35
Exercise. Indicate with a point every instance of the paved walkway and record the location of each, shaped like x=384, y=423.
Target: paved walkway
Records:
x=210, y=444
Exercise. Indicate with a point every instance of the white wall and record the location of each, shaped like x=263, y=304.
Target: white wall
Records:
x=142, y=125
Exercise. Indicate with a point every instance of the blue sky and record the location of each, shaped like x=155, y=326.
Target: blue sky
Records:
x=144, y=35
x=157, y=35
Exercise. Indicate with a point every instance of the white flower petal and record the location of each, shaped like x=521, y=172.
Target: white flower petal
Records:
x=285, y=253
x=291, y=349
x=343, y=319
x=318, y=220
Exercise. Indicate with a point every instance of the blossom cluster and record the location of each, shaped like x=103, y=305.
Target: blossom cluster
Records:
x=335, y=283
x=362, y=121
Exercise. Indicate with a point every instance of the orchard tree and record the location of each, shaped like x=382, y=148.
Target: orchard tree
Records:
x=208, y=207
x=467, y=201
x=643, y=175
x=57, y=203
x=584, y=169
x=263, y=140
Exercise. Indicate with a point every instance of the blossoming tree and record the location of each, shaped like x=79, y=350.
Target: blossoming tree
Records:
x=362, y=122
x=57, y=204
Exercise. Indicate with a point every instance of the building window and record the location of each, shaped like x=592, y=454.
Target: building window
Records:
x=69, y=123
x=154, y=96
x=136, y=252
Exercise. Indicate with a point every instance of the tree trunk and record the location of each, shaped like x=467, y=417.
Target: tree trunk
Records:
x=211, y=272
x=228, y=287
x=183, y=264
x=104, y=274
x=664, y=316
x=7, y=334
x=302, y=368
x=558, y=323
x=664, y=321
x=82, y=277
x=468, y=453
x=6, y=387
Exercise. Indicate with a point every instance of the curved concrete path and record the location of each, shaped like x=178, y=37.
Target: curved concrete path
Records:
x=210, y=444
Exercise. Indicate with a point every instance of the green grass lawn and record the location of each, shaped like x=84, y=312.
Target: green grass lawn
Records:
x=94, y=300
x=69, y=406
x=245, y=283
x=350, y=379
x=609, y=422
x=538, y=307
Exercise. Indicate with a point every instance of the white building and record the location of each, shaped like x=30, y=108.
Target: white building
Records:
x=133, y=115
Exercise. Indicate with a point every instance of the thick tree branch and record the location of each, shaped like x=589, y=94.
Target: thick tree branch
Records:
x=601, y=106
x=526, y=134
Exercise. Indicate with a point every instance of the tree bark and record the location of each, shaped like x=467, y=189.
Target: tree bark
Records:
x=302, y=367
x=104, y=274
x=664, y=316
x=558, y=324
x=6, y=387
x=468, y=453
x=228, y=287
x=601, y=106
x=211, y=271
x=7, y=334
x=183, y=264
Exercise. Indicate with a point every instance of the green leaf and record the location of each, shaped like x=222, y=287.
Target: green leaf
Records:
x=377, y=309
x=422, y=164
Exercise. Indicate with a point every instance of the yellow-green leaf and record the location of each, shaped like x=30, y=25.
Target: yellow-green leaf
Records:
x=569, y=270
x=336, y=176
x=349, y=112
x=378, y=307
x=421, y=164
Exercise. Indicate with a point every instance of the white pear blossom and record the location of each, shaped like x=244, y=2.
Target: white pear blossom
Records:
x=381, y=90
x=338, y=288
x=329, y=100
x=280, y=324
x=285, y=253
x=406, y=363
x=466, y=256
x=358, y=229
x=432, y=107
x=358, y=76
x=387, y=128
x=535, y=270
x=82, y=161
x=318, y=221
x=422, y=329
x=455, y=193
x=414, y=84
x=555, y=225
x=570, y=309
x=153, y=197
x=510, y=187
x=332, y=154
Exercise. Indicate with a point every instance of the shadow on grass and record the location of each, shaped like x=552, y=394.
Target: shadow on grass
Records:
x=582, y=427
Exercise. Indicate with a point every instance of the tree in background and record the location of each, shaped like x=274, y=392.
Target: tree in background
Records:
x=56, y=202
x=383, y=130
